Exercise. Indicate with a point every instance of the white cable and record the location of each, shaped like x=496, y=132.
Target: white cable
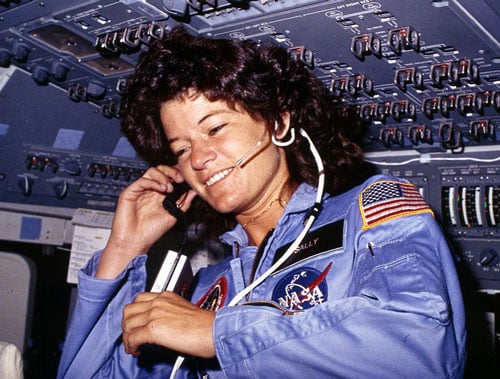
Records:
x=300, y=237
x=177, y=365
x=290, y=251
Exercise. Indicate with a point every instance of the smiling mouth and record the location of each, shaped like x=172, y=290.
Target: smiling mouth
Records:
x=217, y=177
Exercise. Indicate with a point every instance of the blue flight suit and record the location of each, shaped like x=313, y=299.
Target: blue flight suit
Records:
x=371, y=292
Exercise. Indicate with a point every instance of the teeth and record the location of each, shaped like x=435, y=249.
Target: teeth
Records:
x=221, y=175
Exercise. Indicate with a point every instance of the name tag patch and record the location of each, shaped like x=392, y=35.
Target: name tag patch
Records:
x=326, y=238
x=302, y=289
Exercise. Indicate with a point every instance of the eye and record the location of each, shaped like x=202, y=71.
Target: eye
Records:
x=180, y=152
x=216, y=129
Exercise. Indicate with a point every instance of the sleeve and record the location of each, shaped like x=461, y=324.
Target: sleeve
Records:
x=93, y=347
x=402, y=316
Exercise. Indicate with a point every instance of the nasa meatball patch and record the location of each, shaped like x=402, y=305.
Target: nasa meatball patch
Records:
x=302, y=289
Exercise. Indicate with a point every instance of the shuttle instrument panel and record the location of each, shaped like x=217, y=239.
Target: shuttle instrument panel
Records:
x=423, y=75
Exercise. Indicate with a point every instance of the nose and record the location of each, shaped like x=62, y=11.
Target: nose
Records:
x=202, y=153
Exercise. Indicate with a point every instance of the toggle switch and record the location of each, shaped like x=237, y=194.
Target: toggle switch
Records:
x=302, y=54
x=465, y=103
x=447, y=104
x=156, y=31
x=384, y=111
x=463, y=68
x=359, y=82
x=338, y=85
x=430, y=106
x=111, y=109
x=128, y=40
x=483, y=99
x=406, y=38
x=106, y=45
x=482, y=129
x=391, y=136
x=368, y=111
x=406, y=76
x=495, y=100
x=366, y=44
x=450, y=136
x=420, y=133
x=439, y=73
x=403, y=108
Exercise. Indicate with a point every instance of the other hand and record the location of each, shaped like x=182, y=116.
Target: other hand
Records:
x=168, y=320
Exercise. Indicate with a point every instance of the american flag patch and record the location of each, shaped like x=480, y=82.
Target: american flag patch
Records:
x=387, y=200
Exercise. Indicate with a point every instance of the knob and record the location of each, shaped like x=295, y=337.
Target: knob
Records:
x=61, y=189
x=59, y=70
x=20, y=51
x=4, y=58
x=72, y=168
x=96, y=89
x=488, y=258
x=92, y=169
x=26, y=185
x=40, y=75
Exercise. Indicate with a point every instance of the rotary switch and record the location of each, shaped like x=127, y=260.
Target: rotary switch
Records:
x=61, y=189
x=26, y=185
x=488, y=258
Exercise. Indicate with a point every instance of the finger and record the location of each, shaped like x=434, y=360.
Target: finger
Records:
x=148, y=183
x=185, y=201
x=172, y=172
x=140, y=305
x=166, y=175
x=163, y=174
x=146, y=296
x=149, y=305
x=154, y=173
x=133, y=341
x=135, y=317
x=173, y=297
x=130, y=325
x=142, y=323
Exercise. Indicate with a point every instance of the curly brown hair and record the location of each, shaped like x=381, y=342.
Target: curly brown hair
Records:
x=265, y=81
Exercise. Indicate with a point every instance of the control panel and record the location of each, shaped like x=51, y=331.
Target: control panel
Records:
x=59, y=154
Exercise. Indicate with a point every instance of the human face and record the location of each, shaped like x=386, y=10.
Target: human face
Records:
x=208, y=137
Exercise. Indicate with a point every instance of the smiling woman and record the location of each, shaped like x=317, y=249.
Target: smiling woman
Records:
x=325, y=257
x=208, y=138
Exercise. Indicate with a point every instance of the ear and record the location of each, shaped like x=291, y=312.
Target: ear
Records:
x=281, y=129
